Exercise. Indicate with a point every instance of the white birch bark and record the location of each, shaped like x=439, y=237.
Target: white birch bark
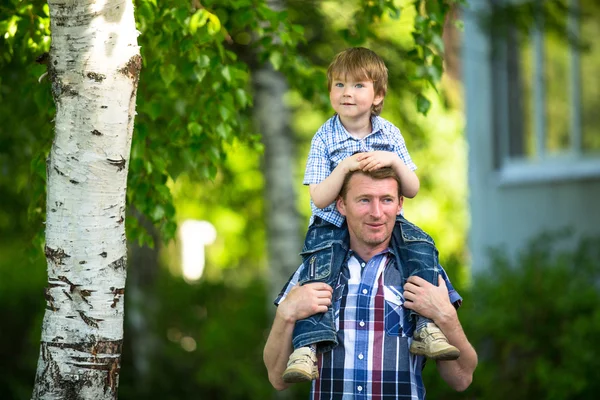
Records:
x=283, y=229
x=94, y=66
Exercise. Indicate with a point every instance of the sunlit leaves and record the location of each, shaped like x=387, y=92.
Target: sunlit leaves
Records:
x=202, y=18
x=194, y=91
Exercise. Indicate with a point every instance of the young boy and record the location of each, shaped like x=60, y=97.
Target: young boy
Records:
x=354, y=138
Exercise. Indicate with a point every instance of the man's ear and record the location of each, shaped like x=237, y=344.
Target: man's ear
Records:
x=339, y=203
x=400, y=204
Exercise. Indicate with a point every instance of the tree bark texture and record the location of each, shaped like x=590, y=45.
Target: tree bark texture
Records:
x=283, y=229
x=94, y=65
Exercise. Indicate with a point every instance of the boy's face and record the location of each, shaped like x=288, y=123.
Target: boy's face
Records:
x=352, y=97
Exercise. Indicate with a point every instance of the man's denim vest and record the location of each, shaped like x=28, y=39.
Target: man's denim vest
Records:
x=324, y=253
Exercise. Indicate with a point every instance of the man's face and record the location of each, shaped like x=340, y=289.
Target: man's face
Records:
x=370, y=208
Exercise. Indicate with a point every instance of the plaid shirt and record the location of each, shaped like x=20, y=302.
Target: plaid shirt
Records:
x=372, y=360
x=332, y=143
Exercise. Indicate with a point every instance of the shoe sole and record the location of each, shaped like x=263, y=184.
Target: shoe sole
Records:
x=442, y=356
x=297, y=376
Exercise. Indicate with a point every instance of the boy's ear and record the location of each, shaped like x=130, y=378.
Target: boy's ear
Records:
x=378, y=99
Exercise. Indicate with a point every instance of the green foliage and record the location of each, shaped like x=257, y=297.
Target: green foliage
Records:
x=210, y=341
x=21, y=295
x=535, y=323
x=194, y=94
x=233, y=202
x=27, y=106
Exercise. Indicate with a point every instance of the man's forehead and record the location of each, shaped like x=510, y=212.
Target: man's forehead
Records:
x=361, y=184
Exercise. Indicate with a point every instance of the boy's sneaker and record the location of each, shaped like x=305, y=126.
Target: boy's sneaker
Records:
x=431, y=342
x=301, y=367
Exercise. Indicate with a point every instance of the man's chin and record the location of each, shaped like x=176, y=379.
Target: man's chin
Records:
x=374, y=240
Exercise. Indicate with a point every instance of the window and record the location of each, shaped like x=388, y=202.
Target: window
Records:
x=547, y=93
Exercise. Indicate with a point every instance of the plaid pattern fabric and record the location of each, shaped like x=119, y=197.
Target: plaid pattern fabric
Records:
x=332, y=143
x=372, y=360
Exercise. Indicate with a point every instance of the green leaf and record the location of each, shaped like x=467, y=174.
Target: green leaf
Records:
x=276, y=59
x=226, y=73
x=197, y=20
x=194, y=128
x=157, y=213
x=224, y=112
x=167, y=73
x=438, y=43
x=242, y=97
x=423, y=104
x=214, y=24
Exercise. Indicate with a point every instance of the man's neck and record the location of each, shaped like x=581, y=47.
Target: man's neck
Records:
x=359, y=128
x=367, y=252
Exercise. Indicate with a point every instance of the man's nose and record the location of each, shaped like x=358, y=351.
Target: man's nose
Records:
x=376, y=209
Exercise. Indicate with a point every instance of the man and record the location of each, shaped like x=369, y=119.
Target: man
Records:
x=372, y=360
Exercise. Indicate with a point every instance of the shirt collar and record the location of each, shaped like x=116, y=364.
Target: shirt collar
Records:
x=352, y=253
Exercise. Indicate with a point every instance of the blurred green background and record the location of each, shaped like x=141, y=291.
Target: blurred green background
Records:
x=197, y=158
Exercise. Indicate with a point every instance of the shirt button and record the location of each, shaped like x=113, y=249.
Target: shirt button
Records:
x=365, y=291
x=362, y=265
x=362, y=323
x=360, y=356
x=359, y=388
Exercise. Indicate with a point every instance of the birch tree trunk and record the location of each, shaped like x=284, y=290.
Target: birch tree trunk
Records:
x=283, y=229
x=94, y=65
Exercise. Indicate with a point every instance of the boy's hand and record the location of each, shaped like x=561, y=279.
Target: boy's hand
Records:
x=353, y=162
x=376, y=159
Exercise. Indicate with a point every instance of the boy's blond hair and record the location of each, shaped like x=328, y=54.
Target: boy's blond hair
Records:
x=360, y=63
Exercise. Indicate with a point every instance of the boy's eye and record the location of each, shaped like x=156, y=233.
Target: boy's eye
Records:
x=360, y=85
x=339, y=84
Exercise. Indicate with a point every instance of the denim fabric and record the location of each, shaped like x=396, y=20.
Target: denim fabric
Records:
x=323, y=255
x=417, y=256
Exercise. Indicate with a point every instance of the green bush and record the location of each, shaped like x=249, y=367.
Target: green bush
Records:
x=535, y=323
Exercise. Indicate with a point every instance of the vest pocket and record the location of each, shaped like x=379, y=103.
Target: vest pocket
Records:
x=317, y=265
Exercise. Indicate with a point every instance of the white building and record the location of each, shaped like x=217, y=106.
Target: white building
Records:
x=533, y=130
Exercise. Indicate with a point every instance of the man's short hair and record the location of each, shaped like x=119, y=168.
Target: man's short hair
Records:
x=360, y=63
x=378, y=174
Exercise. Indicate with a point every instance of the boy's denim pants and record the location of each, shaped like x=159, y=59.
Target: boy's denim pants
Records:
x=324, y=254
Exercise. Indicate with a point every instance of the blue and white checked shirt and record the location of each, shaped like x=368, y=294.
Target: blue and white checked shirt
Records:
x=332, y=143
x=372, y=360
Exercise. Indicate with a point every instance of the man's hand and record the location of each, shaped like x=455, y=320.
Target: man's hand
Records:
x=376, y=159
x=428, y=300
x=305, y=301
x=433, y=302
